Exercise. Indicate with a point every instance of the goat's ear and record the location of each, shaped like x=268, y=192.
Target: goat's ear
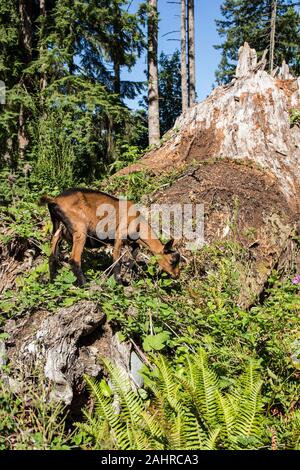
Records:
x=168, y=246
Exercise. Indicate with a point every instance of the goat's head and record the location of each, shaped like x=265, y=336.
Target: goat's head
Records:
x=169, y=260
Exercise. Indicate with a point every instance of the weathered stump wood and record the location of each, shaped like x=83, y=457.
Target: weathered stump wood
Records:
x=61, y=347
x=247, y=119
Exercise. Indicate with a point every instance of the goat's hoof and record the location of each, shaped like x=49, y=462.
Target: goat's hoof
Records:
x=121, y=281
x=81, y=282
x=118, y=279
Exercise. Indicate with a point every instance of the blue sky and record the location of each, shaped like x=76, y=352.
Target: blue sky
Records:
x=207, y=58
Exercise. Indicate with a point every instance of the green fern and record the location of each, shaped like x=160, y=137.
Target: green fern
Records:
x=249, y=404
x=287, y=431
x=203, y=385
x=294, y=438
x=186, y=412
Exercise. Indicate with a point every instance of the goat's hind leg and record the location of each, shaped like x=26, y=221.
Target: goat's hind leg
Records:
x=79, y=239
x=53, y=258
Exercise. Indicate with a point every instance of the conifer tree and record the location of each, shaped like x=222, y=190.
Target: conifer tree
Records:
x=61, y=62
x=169, y=90
x=251, y=21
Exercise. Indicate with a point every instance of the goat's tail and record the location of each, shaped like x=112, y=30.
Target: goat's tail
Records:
x=46, y=200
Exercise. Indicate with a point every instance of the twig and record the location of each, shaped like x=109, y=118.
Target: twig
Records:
x=140, y=353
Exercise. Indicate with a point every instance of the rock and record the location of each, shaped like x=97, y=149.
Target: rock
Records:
x=135, y=366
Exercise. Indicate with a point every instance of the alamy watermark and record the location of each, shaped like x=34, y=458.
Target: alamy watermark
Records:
x=2, y=92
x=171, y=221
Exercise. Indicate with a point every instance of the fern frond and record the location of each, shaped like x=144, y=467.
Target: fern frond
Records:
x=211, y=443
x=167, y=384
x=227, y=414
x=195, y=438
x=131, y=405
x=97, y=428
x=103, y=404
x=153, y=429
x=190, y=413
x=294, y=437
x=249, y=416
x=203, y=384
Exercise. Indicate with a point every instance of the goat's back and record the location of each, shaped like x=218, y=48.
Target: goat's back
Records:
x=83, y=208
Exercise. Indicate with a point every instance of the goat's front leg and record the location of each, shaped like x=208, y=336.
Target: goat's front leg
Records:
x=134, y=252
x=53, y=258
x=116, y=260
x=79, y=239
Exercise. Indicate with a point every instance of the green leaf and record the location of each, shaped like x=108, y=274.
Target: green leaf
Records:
x=156, y=342
x=111, y=282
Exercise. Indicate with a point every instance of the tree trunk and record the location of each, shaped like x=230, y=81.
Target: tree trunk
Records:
x=117, y=80
x=25, y=10
x=64, y=346
x=22, y=137
x=153, y=97
x=116, y=60
x=43, y=79
x=191, y=52
x=184, y=86
x=272, y=34
x=26, y=29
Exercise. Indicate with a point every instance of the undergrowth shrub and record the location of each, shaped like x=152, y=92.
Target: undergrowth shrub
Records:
x=55, y=158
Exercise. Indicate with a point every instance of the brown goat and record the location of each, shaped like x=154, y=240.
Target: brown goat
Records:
x=76, y=215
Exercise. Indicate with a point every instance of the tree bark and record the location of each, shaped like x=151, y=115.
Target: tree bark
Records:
x=153, y=97
x=117, y=80
x=191, y=52
x=26, y=29
x=184, y=85
x=43, y=79
x=25, y=10
x=22, y=137
x=116, y=60
x=272, y=34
